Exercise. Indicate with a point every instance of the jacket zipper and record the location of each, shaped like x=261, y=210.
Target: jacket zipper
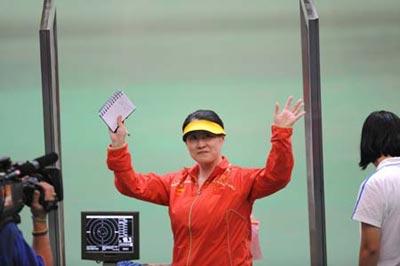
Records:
x=198, y=192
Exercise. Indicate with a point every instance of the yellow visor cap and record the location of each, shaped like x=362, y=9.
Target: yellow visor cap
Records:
x=204, y=125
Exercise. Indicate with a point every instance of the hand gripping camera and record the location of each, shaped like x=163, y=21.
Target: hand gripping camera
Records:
x=18, y=181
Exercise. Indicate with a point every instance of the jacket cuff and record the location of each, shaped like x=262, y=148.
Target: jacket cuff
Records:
x=119, y=159
x=281, y=132
x=111, y=148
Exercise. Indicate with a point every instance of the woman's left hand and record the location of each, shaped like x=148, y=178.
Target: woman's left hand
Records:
x=290, y=114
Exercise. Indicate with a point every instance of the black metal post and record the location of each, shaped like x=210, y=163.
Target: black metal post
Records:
x=313, y=131
x=51, y=116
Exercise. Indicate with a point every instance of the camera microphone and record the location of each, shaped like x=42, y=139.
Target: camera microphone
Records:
x=31, y=167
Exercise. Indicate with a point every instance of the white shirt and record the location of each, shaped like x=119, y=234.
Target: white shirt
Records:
x=378, y=204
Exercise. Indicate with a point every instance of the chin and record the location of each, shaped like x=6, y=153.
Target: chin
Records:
x=205, y=159
x=201, y=161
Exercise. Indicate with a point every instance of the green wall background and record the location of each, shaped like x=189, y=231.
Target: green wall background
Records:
x=236, y=57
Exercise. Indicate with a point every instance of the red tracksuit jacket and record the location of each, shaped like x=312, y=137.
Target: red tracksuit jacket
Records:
x=211, y=225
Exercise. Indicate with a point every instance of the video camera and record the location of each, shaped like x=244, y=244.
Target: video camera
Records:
x=18, y=181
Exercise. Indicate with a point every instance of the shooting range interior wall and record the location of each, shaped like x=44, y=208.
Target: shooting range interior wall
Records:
x=172, y=58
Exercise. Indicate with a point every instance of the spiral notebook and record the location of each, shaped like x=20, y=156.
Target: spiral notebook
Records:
x=117, y=104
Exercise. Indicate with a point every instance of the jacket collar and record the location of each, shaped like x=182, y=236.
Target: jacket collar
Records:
x=219, y=169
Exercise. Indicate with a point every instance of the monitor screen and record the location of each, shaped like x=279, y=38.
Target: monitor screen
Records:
x=110, y=236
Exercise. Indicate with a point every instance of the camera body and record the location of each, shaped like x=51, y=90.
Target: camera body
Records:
x=18, y=182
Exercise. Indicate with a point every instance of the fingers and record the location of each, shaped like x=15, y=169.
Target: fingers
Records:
x=120, y=121
x=37, y=210
x=296, y=109
x=299, y=115
x=276, y=111
x=49, y=193
x=35, y=199
x=118, y=137
x=298, y=106
x=288, y=102
x=120, y=124
x=289, y=114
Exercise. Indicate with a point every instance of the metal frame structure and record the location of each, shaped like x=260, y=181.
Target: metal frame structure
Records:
x=313, y=130
x=51, y=116
x=313, y=126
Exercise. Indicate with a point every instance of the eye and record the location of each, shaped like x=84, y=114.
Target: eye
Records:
x=192, y=137
x=207, y=136
x=203, y=136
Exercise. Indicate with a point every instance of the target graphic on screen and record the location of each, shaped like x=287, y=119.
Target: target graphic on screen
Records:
x=109, y=234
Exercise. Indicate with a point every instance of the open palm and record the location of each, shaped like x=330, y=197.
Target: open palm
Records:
x=290, y=114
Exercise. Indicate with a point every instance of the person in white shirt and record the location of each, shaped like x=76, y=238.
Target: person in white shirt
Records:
x=378, y=203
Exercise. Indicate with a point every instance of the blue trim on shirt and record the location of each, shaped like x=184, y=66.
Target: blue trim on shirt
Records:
x=380, y=167
x=361, y=192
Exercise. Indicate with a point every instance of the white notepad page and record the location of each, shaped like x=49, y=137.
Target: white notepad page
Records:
x=117, y=104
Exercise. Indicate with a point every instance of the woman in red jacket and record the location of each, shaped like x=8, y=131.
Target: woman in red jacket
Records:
x=209, y=203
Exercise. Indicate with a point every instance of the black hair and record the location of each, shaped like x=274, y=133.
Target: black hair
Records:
x=201, y=115
x=380, y=136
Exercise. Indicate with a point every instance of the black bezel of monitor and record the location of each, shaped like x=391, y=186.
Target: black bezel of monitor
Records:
x=110, y=256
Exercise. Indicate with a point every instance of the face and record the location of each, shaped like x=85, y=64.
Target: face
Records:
x=204, y=147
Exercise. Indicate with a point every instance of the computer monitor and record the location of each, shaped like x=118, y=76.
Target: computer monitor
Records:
x=110, y=236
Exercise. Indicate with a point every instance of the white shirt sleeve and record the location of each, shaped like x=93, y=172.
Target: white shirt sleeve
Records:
x=370, y=204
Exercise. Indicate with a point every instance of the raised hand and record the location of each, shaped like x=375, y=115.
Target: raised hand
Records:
x=290, y=114
x=118, y=138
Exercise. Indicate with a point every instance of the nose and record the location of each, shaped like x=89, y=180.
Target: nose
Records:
x=201, y=142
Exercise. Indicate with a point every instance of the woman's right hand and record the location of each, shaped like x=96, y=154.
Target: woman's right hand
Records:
x=290, y=114
x=118, y=138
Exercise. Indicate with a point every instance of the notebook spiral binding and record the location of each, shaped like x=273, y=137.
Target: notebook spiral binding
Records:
x=110, y=102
